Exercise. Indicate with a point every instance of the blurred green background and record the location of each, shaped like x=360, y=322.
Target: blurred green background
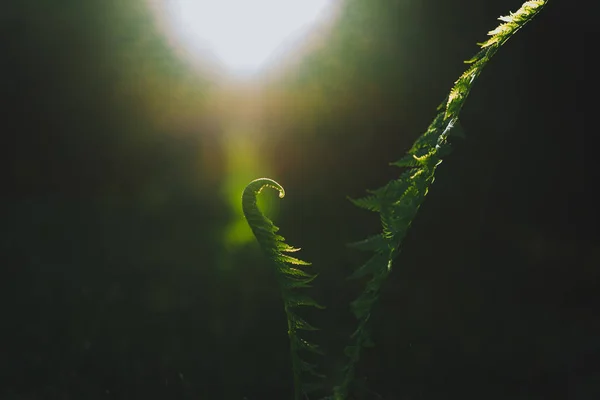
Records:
x=128, y=273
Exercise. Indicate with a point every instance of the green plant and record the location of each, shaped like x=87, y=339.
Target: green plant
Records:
x=397, y=204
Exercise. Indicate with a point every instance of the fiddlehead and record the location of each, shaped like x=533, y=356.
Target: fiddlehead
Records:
x=289, y=276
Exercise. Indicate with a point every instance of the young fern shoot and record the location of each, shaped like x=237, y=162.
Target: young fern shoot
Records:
x=399, y=200
x=289, y=276
x=397, y=204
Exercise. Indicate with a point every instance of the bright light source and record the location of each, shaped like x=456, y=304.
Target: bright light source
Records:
x=242, y=35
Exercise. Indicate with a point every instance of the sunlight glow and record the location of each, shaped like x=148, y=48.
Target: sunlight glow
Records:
x=243, y=35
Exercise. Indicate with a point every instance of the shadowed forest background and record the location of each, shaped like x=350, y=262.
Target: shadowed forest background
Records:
x=122, y=277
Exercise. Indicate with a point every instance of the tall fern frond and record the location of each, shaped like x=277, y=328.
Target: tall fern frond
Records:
x=399, y=200
x=290, y=277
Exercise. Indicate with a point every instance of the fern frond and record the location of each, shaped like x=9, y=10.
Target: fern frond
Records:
x=289, y=276
x=399, y=200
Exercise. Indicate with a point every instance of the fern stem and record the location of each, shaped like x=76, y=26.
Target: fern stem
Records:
x=296, y=369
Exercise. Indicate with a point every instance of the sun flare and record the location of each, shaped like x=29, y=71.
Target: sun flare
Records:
x=242, y=36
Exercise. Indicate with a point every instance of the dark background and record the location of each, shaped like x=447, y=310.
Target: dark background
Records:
x=116, y=278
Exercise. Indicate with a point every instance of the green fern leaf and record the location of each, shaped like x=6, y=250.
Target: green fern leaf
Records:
x=299, y=323
x=297, y=299
x=289, y=275
x=291, y=282
x=399, y=200
x=284, y=258
x=304, y=345
x=369, y=203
